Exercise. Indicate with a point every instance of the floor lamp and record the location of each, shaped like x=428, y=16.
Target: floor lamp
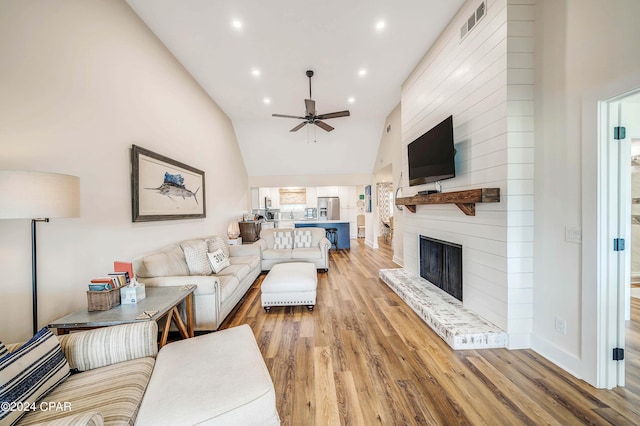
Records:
x=38, y=196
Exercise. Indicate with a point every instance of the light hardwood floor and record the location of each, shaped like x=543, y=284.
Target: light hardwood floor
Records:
x=363, y=357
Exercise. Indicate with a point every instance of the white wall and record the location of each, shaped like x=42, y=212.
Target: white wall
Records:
x=582, y=46
x=390, y=153
x=81, y=82
x=486, y=82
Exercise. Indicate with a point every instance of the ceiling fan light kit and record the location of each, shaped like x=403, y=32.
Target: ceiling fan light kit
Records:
x=311, y=117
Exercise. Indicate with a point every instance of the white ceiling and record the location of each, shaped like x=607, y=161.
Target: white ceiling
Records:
x=284, y=38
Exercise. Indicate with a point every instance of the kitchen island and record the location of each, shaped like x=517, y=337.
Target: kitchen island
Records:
x=344, y=241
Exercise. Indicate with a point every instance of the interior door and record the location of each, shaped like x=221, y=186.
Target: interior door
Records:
x=619, y=207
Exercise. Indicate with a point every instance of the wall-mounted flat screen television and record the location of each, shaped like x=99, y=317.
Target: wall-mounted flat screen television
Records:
x=431, y=156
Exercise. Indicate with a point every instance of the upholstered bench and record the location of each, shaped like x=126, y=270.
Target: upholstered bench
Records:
x=214, y=379
x=290, y=284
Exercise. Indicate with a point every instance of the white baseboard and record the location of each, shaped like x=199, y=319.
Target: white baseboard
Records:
x=559, y=357
x=398, y=261
x=519, y=341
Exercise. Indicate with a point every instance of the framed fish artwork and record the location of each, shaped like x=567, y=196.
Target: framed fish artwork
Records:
x=164, y=189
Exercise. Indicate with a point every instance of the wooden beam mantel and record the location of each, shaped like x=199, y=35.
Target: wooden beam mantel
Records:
x=465, y=200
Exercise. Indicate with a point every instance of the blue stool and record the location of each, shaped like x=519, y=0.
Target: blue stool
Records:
x=332, y=236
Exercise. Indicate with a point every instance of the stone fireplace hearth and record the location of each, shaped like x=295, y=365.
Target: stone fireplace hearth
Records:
x=460, y=327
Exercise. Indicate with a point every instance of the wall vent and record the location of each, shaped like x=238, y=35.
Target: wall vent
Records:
x=473, y=19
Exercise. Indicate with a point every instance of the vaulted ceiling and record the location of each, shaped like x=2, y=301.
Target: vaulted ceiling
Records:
x=250, y=56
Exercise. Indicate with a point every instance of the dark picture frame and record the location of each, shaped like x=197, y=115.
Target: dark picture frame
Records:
x=165, y=189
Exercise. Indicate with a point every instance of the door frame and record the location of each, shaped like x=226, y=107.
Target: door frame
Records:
x=600, y=298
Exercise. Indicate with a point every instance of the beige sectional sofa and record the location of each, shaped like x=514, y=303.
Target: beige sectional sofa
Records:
x=280, y=245
x=217, y=293
x=120, y=378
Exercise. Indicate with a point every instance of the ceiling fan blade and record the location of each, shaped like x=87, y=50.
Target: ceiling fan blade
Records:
x=298, y=127
x=323, y=125
x=334, y=115
x=288, y=116
x=310, y=105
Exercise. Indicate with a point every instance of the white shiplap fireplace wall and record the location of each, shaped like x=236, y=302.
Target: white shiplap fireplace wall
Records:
x=486, y=82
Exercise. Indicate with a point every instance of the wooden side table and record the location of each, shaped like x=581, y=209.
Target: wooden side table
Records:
x=159, y=302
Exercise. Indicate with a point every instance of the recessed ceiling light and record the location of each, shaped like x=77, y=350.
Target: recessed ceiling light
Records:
x=380, y=25
x=236, y=24
x=267, y=101
x=351, y=100
x=362, y=72
x=255, y=72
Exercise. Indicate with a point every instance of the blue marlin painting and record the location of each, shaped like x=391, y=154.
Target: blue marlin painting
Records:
x=173, y=185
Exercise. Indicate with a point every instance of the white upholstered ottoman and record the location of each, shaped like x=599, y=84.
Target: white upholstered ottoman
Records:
x=213, y=379
x=290, y=284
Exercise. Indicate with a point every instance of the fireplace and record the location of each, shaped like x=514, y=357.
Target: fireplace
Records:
x=441, y=264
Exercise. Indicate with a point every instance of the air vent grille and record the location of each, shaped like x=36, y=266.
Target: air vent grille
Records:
x=473, y=19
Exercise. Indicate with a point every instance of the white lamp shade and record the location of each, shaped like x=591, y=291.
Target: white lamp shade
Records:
x=34, y=195
x=233, y=230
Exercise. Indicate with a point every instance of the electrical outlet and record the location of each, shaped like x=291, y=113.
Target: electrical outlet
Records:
x=561, y=325
x=572, y=235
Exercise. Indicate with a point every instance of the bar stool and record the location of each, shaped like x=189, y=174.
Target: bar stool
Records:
x=332, y=236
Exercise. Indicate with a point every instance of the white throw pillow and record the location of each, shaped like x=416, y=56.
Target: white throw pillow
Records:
x=195, y=253
x=302, y=239
x=218, y=261
x=216, y=243
x=30, y=372
x=282, y=240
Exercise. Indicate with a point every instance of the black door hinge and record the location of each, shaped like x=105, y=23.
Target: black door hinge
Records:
x=618, y=244
x=619, y=133
x=618, y=354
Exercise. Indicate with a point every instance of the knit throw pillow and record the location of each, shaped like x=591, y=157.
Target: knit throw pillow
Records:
x=302, y=239
x=216, y=243
x=195, y=253
x=282, y=240
x=29, y=373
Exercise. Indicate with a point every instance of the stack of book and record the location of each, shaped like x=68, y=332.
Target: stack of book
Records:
x=122, y=275
x=111, y=281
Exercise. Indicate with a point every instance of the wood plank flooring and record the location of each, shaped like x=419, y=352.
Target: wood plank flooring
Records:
x=363, y=357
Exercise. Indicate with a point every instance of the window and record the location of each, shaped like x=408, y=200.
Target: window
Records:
x=290, y=196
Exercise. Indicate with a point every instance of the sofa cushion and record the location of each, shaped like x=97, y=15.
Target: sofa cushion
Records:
x=165, y=263
x=270, y=254
x=251, y=261
x=228, y=284
x=31, y=372
x=302, y=238
x=282, y=240
x=114, y=391
x=195, y=253
x=218, y=261
x=216, y=243
x=239, y=271
x=306, y=253
x=110, y=345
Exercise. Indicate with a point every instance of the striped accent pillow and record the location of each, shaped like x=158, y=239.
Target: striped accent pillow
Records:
x=282, y=240
x=3, y=350
x=30, y=372
x=302, y=239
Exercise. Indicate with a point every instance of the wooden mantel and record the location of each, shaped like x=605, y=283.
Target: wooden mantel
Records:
x=465, y=200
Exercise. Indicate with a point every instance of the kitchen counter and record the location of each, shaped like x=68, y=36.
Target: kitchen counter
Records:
x=344, y=241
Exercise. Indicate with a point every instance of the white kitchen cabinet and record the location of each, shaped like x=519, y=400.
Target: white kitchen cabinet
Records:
x=312, y=196
x=255, y=198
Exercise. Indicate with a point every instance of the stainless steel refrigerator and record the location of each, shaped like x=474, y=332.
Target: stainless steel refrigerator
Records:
x=328, y=208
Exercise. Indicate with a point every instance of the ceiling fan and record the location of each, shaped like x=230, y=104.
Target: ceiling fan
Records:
x=310, y=115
